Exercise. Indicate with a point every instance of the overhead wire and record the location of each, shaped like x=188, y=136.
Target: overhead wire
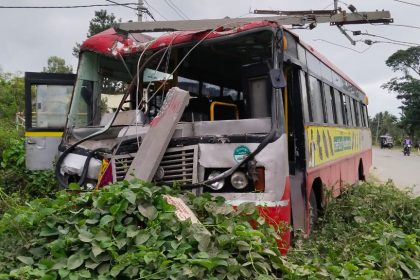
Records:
x=154, y=9
x=66, y=7
x=121, y=4
x=408, y=3
x=342, y=46
x=174, y=8
x=392, y=40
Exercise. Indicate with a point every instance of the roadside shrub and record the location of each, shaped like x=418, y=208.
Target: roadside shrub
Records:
x=14, y=178
x=129, y=231
x=8, y=133
x=370, y=232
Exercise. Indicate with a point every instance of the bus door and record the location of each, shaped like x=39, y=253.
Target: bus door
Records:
x=294, y=121
x=47, y=100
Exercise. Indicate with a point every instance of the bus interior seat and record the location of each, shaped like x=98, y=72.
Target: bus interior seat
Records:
x=224, y=108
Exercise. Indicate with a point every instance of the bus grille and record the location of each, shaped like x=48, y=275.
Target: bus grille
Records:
x=178, y=165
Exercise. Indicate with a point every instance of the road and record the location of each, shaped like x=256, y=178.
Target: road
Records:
x=403, y=170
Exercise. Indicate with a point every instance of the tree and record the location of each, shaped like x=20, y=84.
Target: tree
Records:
x=11, y=95
x=385, y=123
x=57, y=65
x=99, y=23
x=407, y=87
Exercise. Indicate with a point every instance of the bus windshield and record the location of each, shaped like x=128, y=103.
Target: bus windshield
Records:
x=227, y=80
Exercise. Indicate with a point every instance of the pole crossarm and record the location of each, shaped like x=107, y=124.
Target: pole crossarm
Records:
x=307, y=17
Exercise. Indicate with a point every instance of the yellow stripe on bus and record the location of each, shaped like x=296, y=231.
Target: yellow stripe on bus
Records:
x=43, y=134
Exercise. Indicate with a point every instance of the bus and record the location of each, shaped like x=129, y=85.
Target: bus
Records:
x=253, y=114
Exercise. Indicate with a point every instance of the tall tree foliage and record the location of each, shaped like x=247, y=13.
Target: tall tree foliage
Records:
x=57, y=65
x=407, y=86
x=385, y=123
x=11, y=96
x=99, y=23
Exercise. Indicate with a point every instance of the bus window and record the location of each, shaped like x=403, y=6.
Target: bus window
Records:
x=357, y=112
x=192, y=86
x=349, y=108
x=365, y=115
x=304, y=92
x=210, y=90
x=231, y=92
x=338, y=97
x=259, y=102
x=330, y=104
x=345, y=111
x=361, y=113
x=316, y=101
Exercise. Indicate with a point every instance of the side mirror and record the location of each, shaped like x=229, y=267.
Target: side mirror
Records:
x=277, y=78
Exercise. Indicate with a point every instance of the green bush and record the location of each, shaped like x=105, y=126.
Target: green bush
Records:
x=370, y=232
x=129, y=231
x=8, y=133
x=14, y=178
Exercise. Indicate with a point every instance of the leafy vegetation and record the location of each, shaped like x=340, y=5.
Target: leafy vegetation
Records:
x=57, y=64
x=16, y=180
x=128, y=230
x=370, y=232
x=407, y=87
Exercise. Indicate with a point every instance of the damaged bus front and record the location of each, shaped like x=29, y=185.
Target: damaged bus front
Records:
x=220, y=92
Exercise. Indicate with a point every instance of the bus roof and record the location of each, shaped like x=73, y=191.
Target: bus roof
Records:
x=110, y=42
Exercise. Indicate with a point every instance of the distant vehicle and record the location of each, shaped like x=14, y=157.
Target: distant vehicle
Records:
x=387, y=141
x=407, y=149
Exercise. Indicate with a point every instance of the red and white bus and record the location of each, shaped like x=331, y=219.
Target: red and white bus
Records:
x=268, y=120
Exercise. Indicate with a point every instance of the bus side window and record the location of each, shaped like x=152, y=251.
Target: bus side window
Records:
x=339, y=107
x=362, y=114
x=345, y=111
x=305, y=99
x=348, y=111
x=330, y=104
x=316, y=100
x=353, y=117
x=357, y=112
x=365, y=115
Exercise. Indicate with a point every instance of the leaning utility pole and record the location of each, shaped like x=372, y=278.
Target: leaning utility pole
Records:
x=294, y=18
x=140, y=10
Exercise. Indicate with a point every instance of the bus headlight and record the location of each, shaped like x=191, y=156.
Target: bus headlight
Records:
x=218, y=185
x=239, y=180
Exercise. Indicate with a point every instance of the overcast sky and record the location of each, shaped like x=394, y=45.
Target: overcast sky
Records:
x=30, y=36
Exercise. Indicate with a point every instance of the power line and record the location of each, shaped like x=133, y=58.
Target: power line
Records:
x=121, y=4
x=357, y=33
x=65, y=7
x=156, y=10
x=386, y=38
x=370, y=42
x=400, y=25
x=342, y=46
x=175, y=9
x=408, y=3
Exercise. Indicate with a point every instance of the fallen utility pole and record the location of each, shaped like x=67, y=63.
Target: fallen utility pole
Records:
x=333, y=17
